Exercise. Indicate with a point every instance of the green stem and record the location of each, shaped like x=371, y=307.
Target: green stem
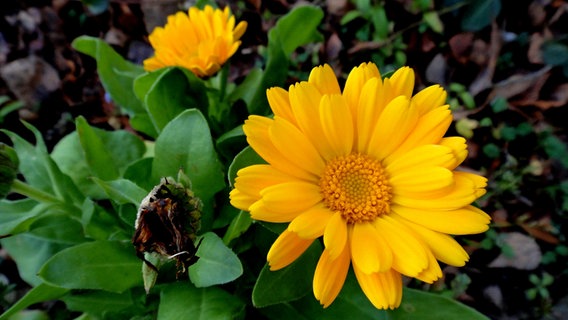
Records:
x=32, y=193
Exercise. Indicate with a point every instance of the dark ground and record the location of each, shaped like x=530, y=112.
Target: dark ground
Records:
x=508, y=82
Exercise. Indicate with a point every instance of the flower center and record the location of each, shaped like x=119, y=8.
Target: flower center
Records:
x=357, y=186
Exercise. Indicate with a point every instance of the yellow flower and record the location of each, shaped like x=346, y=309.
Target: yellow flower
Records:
x=200, y=42
x=370, y=171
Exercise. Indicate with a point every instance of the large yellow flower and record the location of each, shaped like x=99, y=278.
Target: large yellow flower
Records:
x=200, y=42
x=370, y=171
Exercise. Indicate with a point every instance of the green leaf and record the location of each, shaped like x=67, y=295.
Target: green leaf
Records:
x=555, y=53
x=238, y=226
x=231, y=142
x=297, y=28
x=30, y=253
x=98, y=159
x=98, y=302
x=97, y=222
x=430, y=306
x=217, y=263
x=287, y=284
x=353, y=304
x=123, y=191
x=380, y=23
x=41, y=172
x=433, y=20
x=181, y=301
x=168, y=92
x=58, y=228
x=106, y=265
x=117, y=76
x=245, y=158
x=16, y=216
x=140, y=172
x=122, y=147
x=186, y=144
x=40, y=293
x=479, y=14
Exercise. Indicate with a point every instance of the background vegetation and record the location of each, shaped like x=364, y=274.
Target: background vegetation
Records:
x=504, y=64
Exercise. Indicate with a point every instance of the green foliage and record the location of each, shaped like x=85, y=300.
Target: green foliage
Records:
x=479, y=14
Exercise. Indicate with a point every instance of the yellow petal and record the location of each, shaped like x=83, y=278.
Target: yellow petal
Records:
x=409, y=253
x=280, y=104
x=259, y=211
x=312, y=222
x=295, y=196
x=325, y=80
x=422, y=182
x=330, y=275
x=337, y=124
x=335, y=235
x=241, y=200
x=429, y=129
x=443, y=246
x=287, y=248
x=463, y=193
x=254, y=178
x=430, y=155
x=395, y=122
x=429, y=98
x=466, y=220
x=402, y=82
x=459, y=148
x=295, y=146
x=369, y=250
x=371, y=105
x=433, y=272
x=305, y=100
x=383, y=289
x=256, y=129
x=355, y=82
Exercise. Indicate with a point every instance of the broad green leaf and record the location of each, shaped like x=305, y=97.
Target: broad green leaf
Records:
x=99, y=224
x=231, y=142
x=8, y=169
x=287, y=284
x=58, y=228
x=186, y=144
x=116, y=74
x=105, y=265
x=41, y=172
x=30, y=253
x=182, y=301
x=40, y=293
x=122, y=147
x=380, y=23
x=98, y=302
x=98, y=159
x=16, y=216
x=217, y=263
x=238, y=226
x=297, y=28
x=140, y=172
x=123, y=191
x=430, y=306
x=168, y=92
x=245, y=158
x=479, y=14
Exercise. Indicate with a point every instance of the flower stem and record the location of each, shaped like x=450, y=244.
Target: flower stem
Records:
x=32, y=193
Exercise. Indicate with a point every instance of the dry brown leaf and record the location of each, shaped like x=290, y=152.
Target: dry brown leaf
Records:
x=520, y=83
x=460, y=45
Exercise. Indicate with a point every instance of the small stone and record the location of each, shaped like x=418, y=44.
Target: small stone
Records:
x=526, y=254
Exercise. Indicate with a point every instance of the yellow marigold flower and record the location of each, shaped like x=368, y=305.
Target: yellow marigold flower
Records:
x=201, y=41
x=370, y=170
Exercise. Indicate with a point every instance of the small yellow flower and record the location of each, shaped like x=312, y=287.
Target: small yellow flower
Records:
x=370, y=170
x=201, y=42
